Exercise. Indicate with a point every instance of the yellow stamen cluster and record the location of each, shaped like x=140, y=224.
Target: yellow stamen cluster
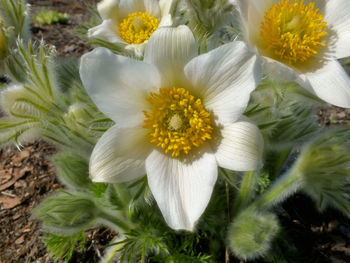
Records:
x=177, y=121
x=137, y=27
x=293, y=31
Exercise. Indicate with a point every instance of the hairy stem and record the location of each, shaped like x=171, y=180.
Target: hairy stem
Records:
x=246, y=192
x=116, y=222
x=284, y=187
x=111, y=253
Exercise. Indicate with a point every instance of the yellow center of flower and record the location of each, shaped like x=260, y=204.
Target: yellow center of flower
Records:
x=137, y=27
x=177, y=121
x=293, y=31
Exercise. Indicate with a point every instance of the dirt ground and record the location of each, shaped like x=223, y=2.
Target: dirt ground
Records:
x=27, y=176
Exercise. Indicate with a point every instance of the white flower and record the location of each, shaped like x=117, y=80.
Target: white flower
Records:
x=131, y=22
x=178, y=117
x=302, y=40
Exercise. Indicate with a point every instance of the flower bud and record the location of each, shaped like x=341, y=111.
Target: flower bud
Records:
x=77, y=117
x=324, y=166
x=251, y=233
x=17, y=101
x=67, y=212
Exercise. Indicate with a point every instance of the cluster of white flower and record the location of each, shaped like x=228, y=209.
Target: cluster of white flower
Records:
x=179, y=115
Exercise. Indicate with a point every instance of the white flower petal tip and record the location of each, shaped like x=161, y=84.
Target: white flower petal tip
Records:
x=170, y=48
x=119, y=156
x=240, y=147
x=224, y=78
x=181, y=189
x=171, y=42
x=337, y=14
x=330, y=83
x=106, y=8
x=105, y=32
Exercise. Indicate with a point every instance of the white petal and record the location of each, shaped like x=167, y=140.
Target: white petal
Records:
x=337, y=14
x=138, y=49
x=253, y=14
x=279, y=71
x=119, y=155
x=127, y=7
x=165, y=6
x=166, y=21
x=108, y=8
x=170, y=49
x=182, y=189
x=253, y=9
x=152, y=8
x=240, y=147
x=118, y=85
x=224, y=79
x=106, y=31
x=330, y=83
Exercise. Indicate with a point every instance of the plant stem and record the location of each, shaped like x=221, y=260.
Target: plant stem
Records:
x=284, y=187
x=111, y=253
x=246, y=192
x=116, y=222
x=227, y=191
x=281, y=160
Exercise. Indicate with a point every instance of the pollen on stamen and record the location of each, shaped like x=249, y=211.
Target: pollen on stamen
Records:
x=292, y=31
x=177, y=122
x=137, y=27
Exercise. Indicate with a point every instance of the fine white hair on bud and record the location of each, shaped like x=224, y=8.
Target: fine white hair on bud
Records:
x=324, y=167
x=251, y=233
x=16, y=100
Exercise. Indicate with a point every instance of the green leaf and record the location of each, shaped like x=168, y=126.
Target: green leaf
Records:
x=142, y=244
x=118, y=49
x=16, y=16
x=62, y=247
x=284, y=112
x=48, y=17
x=73, y=170
x=67, y=73
x=206, y=19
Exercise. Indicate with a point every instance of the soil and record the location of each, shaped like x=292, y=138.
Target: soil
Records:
x=27, y=177
x=26, y=174
x=63, y=36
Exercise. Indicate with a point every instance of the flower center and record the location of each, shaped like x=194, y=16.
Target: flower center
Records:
x=293, y=31
x=177, y=121
x=137, y=27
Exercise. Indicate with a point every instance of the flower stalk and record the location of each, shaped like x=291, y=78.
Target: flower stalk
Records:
x=246, y=192
x=283, y=188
